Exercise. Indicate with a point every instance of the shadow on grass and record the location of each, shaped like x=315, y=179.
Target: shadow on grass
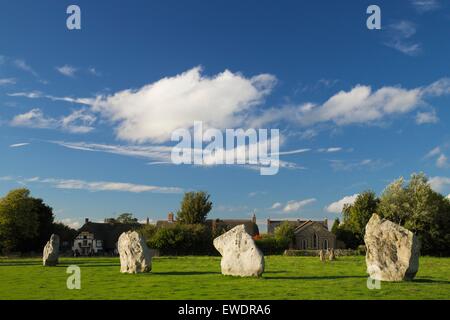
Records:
x=315, y=278
x=430, y=281
x=21, y=264
x=185, y=273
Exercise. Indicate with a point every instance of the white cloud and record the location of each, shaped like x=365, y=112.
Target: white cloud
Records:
x=341, y=165
x=79, y=121
x=7, y=81
x=426, y=117
x=360, y=105
x=436, y=151
x=74, y=184
x=34, y=119
x=441, y=158
x=67, y=70
x=276, y=205
x=330, y=150
x=94, y=72
x=442, y=161
x=338, y=206
x=153, y=112
x=426, y=5
x=18, y=145
x=295, y=206
x=72, y=223
x=439, y=183
x=21, y=64
x=400, y=38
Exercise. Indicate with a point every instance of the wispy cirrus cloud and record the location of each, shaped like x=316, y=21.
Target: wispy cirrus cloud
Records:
x=439, y=184
x=24, y=66
x=7, y=81
x=400, y=37
x=76, y=184
x=423, y=6
x=350, y=165
x=79, y=121
x=439, y=156
x=67, y=70
x=19, y=145
x=292, y=206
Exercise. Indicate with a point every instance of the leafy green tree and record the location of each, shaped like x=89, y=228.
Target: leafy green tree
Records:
x=19, y=220
x=64, y=232
x=358, y=214
x=284, y=233
x=417, y=207
x=195, y=207
x=126, y=218
x=335, y=227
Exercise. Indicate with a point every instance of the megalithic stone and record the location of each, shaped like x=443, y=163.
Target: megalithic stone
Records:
x=51, y=252
x=392, y=251
x=240, y=255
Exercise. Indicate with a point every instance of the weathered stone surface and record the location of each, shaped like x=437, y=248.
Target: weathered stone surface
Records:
x=331, y=255
x=135, y=256
x=240, y=256
x=322, y=255
x=51, y=251
x=392, y=251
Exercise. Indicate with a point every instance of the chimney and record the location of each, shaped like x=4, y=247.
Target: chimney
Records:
x=86, y=220
x=170, y=217
x=148, y=220
x=254, y=218
x=326, y=223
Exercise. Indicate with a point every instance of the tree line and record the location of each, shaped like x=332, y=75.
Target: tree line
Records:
x=412, y=204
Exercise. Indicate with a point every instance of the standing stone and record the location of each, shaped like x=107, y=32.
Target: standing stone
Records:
x=51, y=251
x=331, y=255
x=392, y=251
x=240, y=256
x=134, y=254
x=322, y=255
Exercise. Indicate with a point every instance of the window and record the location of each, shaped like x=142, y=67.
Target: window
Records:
x=304, y=244
x=84, y=242
x=325, y=244
x=99, y=243
x=315, y=242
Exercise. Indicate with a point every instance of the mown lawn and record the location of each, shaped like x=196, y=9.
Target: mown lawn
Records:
x=200, y=278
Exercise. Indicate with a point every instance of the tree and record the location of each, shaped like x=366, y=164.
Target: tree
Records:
x=126, y=218
x=195, y=207
x=19, y=220
x=417, y=207
x=335, y=227
x=284, y=233
x=359, y=213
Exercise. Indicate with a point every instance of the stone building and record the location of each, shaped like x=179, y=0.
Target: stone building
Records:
x=309, y=235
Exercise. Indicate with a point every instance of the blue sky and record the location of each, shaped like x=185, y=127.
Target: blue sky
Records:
x=86, y=115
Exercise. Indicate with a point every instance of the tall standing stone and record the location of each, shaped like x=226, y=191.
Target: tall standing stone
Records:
x=135, y=256
x=392, y=251
x=322, y=255
x=331, y=255
x=240, y=256
x=51, y=251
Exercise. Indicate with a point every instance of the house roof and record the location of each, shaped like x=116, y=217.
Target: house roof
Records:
x=109, y=233
x=228, y=224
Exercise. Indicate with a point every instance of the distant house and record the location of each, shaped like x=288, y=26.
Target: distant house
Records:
x=219, y=226
x=309, y=235
x=99, y=238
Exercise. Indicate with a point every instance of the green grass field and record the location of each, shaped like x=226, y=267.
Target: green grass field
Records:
x=200, y=278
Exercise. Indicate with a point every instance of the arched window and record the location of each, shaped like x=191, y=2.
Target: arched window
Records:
x=325, y=244
x=304, y=244
x=315, y=241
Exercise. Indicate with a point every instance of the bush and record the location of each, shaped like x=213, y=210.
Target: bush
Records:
x=270, y=245
x=182, y=239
